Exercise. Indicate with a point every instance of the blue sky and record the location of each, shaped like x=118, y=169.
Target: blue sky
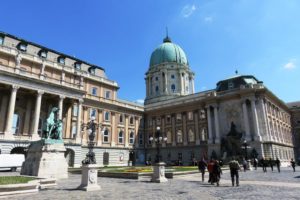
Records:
x=258, y=37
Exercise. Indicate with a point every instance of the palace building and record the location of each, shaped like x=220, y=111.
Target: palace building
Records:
x=239, y=112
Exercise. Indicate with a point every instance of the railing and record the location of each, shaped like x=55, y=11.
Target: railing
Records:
x=29, y=74
x=56, y=65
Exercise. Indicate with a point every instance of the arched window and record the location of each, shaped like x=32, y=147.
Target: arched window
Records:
x=131, y=137
x=179, y=136
x=106, y=116
x=173, y=87
x=191, y=135
x=16, y=122
x=156, y=89
x=105, y=135
x=121, y=137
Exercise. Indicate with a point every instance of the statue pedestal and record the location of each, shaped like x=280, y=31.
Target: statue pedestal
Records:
x=158, y=175
x=46, y=159
x=89, y=178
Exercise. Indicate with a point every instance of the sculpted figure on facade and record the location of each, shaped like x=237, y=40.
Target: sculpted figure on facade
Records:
x=231, y=143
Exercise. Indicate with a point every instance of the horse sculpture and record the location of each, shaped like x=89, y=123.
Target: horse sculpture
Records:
x=53, y=126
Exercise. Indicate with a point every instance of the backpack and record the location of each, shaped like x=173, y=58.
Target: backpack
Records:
x=234, y=165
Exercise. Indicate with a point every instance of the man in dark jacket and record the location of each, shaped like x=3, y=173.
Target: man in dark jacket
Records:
x=277, y=162
x=202, y=166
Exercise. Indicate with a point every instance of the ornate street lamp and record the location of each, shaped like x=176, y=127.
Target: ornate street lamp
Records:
x=89, y=174
x=245, y=147
x=91, y=127
x=159, y=139
x=159, y=166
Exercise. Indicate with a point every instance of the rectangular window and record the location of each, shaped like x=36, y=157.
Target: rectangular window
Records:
x=107, y=94
x=77, y=66
x=94, y=91
x=61, y=60
x=43, y=54
x=141, y=141
x=92, y=71
x=230, y=85
x=92, y=112
x=23, y=47
x=106, y=116
x=74, y=130
x=75, y=110
x=121, y=137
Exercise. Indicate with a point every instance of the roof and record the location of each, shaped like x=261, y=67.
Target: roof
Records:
x=48, y=49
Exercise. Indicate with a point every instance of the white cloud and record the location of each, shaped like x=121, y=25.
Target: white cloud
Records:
x=290, y=65
x=140, y=101
x=188, y=10
x=208, y=19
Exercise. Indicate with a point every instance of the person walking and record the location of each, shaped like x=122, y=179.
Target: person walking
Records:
x=210, y=168
x=271, y=163
x=216, y=173
x=277, y=162
x=264, y=164
x=202, y=166
x=255, y=162
x=293, y=164
x=234, y=171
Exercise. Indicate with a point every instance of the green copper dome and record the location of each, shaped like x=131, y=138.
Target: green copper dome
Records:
x=168, y=52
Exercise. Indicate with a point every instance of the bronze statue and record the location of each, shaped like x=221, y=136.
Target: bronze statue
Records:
x=53, y=126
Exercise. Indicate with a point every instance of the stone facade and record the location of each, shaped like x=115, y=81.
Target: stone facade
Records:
x=295, y=110
x=33, y=79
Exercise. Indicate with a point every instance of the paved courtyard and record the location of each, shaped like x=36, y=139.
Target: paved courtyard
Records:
x=253, y=185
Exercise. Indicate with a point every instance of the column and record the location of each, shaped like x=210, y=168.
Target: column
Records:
x=246, y=121
x=4, y=104
x=78, y=122
x=27, y=116
x=166, y=82
x=184, y=129
x=217, y=128
x=136, y=135
x=173, y=130
x=114, y=134
x=270, y=136
x=196, y=114
x=60, y=107
x=255, y=120
x=163, y=129
x=37, y=110
x=126, y=132
x=210, y=136
x=11, y=109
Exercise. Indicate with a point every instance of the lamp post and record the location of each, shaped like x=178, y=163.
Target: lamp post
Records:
x=159, y=166
x=91, y=127
x=245, y=147
x=89, y=174
x=159, y=139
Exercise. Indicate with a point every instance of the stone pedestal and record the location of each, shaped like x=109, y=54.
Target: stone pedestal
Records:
x=45, y=159
x=159, y=173
x=89, y=178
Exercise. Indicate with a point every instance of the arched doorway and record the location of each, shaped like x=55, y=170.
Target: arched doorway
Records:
x=69, y=155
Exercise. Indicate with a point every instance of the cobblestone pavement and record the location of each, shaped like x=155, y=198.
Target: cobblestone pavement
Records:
x=253, y=185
